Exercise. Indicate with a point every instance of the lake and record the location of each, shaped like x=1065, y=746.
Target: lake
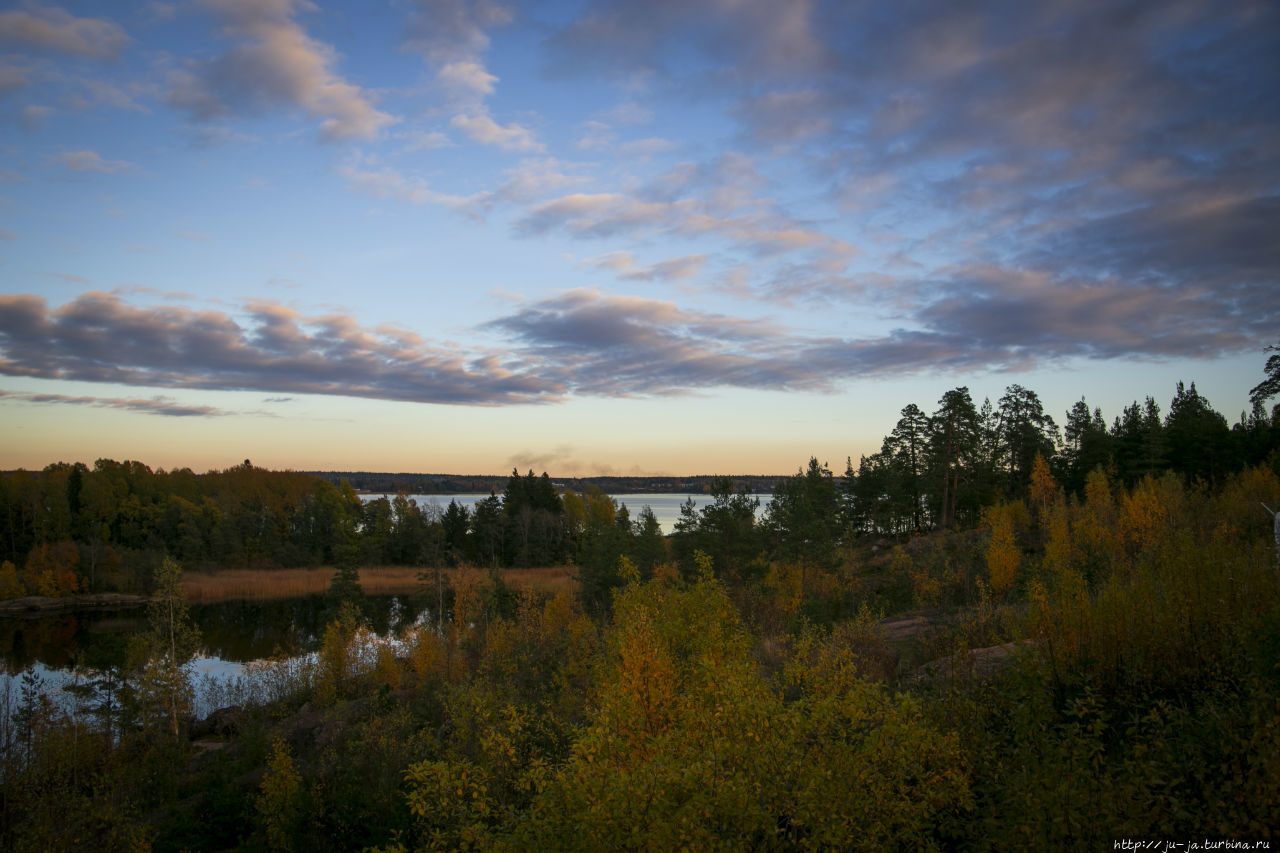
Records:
x=665, y=507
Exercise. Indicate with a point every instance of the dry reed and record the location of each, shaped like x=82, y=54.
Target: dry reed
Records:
x=258, y=584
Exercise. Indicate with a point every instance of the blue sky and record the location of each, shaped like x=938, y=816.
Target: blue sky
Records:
x=618, y=237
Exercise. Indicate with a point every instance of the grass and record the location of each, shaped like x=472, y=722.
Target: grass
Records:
x=259, y=584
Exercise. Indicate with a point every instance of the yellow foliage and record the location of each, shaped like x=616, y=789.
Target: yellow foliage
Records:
x=647, y=679
x=1142, y=517
x=1157, y=584
x=627, y=570
x=467, y=605
x=785, y=581
x=51, y=569
x=452, y=802
x=335, y=656
x=387, y=668
x=666, y=573
x=279, y=802
x=1097, y=491
x=721, y=755
x=1003, y=554
x=1059, y=550
x=426, y=654
x=926, y=588
x=10, y=586
x=1044, y=489
x=1093, y=532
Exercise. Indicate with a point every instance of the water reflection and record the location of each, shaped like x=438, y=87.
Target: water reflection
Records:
x=232, y=631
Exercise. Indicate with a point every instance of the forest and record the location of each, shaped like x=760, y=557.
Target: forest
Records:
x=993, y=633
x=70, y=528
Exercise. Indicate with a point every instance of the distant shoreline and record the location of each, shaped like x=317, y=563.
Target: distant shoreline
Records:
x=443, y=485
x=42, y=605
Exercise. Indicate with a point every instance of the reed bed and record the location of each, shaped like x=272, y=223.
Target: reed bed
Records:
x=261, y=584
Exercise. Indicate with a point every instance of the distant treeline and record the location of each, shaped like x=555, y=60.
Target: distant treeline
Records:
x=940, y=470
x=455, y=484
x=70, y=528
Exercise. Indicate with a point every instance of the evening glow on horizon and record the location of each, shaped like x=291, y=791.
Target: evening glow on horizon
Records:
x=618, y=237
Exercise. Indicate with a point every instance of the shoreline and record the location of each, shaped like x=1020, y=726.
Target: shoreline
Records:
x=265, y=584
x=261, y=584
x=40, y=605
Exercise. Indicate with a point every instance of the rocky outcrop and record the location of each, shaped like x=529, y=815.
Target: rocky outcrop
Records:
x=976, y=663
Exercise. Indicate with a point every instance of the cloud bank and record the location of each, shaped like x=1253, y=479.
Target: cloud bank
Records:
x=592, y=343
x=99, y=338
x=163, y=406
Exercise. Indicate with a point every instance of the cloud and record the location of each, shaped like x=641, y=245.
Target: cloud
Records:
x=54, y=30
x=761, y=229
x=98, y=93
x=529, y=180
x=453, y=35
x=213, y=136
x=559, y=458
x=12, y=78
x=481, y=128
x=33, y=115
x=89, y=161
x=597, y=135
x=467, y=75
x=67, y=277
x=273, y=62
x=624, y=265
x=6, y=234
x=601, y=344
x=386, y=182
x=717, y=199
x=647, y=147
x=99, y=338
x=1039, y=317
x=752, y=36
x=1114, y=145
x=421, y=140
x=454, y=30
x=162, y=11
x=159, y=405
x=786, y=116
x=982, y=316
x=602, y=215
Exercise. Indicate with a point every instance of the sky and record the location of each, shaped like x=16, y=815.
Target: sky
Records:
x=620, y=237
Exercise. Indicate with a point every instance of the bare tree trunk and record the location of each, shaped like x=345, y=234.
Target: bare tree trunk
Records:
x=1276, y=518
x=173, y=660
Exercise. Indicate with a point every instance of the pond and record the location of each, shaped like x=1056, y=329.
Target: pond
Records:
x=60, y=647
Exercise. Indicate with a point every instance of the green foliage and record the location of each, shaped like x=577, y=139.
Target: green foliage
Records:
x=345, y=588
x=163, y=689
x=336, y=658
x=1270, y=385
x=279, y=803
x=805, y=516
